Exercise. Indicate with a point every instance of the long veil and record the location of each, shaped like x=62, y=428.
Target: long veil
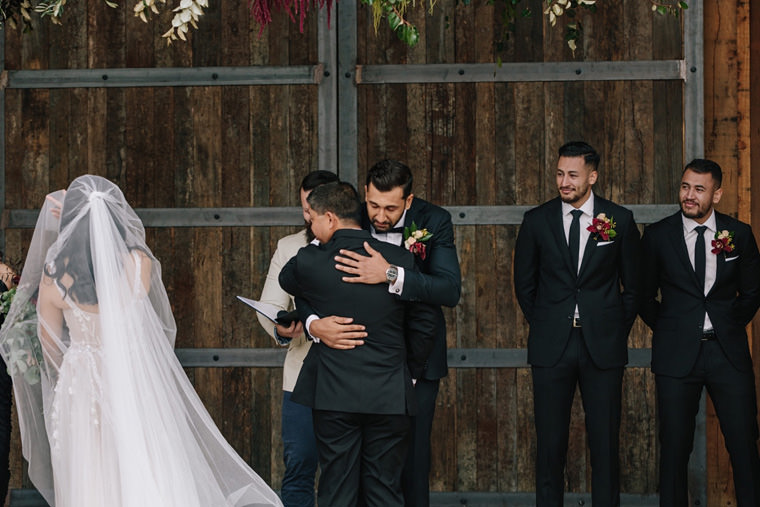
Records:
x=152, y=430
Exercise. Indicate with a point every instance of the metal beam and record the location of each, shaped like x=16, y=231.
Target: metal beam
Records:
x=327, y=107
x=284, y=216
x=172, y=76
x=522, y=72
x=347, y=94
x=457, y=358
x=694, y=85
x=31, y=498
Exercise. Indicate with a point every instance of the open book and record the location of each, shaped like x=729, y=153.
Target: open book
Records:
x=271, y=312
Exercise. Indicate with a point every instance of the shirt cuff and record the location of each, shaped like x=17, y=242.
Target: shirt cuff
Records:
x=309, y=320
x=397, y=287
x=282, y=340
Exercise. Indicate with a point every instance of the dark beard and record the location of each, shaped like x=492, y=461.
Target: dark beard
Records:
x=309, y=235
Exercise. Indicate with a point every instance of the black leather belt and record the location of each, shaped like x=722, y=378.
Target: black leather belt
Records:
x=708, y=336
x=576, y=322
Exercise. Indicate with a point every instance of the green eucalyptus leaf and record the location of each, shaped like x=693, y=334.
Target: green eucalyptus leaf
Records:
x=394, y=20
x=683, y=5
x=409, y=34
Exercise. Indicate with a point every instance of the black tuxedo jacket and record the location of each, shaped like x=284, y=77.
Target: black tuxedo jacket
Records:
x=438, y=280
x=548, y=289
x=373, y=378
x=678, y=317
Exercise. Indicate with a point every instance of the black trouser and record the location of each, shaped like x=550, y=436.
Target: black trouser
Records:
x=416, y=477
x=6, y=390
x=360, y=453
x=733, y=395
x=553, y=391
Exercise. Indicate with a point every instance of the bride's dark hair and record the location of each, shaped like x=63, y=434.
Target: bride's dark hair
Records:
x=75, y=256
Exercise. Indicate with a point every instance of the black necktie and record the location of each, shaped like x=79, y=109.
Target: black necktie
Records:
x=574, y=239
x=699, y=255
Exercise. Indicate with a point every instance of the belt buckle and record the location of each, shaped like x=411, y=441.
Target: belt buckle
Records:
x=576, y=322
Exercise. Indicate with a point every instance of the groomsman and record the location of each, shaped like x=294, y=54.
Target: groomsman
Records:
x=299, y=444
x=361, y=397
x=572, y=256
x=707, y=269
x=390, y=208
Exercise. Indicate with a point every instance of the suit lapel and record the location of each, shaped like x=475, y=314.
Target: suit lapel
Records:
x=557, y=228
x=679, y=245
x=720, y=224
x=590, y=249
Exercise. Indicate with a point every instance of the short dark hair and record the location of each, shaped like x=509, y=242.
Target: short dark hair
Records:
x=317, y=178
x=704, y=166
x=389, y=174
x=340, y=198
x=581, y=149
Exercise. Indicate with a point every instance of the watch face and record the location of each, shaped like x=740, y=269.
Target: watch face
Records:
x=391, y=274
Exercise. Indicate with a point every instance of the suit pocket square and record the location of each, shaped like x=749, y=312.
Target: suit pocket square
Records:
x=604, y=243
x=729, y=259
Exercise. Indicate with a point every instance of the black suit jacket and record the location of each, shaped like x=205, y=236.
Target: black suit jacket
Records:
x=678, y=317
x=548, y=289
x=438, y=280
x=373, y=378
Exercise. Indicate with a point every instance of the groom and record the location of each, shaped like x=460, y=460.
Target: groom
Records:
x=362, y=397
x=707, y=269
x=572, y=255
x=390, y=208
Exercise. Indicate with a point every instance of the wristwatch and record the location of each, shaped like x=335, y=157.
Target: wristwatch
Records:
x=391, y=274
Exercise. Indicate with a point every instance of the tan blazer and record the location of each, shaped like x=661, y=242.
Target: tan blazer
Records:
x=273, y=294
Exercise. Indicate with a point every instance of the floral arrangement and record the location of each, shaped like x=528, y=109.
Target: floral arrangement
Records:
x=24, y=348
x=602, y=228
x=723, y=242
x=186, y=14
x=415, y=239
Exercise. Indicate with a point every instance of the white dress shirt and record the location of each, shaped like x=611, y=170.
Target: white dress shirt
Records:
x=396, y=238
x=711, y=260
x=567, y=219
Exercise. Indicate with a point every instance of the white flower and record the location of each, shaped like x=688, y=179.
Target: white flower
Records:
x=418, y=234
x=410, y=241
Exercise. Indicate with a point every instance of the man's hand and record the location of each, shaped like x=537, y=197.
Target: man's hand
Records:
x=294, y=330
x=338, y=332
x=57, y=205
x=365, y=269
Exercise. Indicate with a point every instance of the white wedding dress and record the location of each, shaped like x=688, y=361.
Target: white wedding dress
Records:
x=121, y=425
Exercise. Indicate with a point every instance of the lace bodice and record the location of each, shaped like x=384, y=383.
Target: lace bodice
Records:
x=84, y=325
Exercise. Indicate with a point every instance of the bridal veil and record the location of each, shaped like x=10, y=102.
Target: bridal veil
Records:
x=147, y=434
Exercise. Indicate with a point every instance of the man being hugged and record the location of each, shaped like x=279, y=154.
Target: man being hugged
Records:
x=361, y=397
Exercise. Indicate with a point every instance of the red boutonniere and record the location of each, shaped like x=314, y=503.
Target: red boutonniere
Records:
x=415, y=239
x=602, y=228
x=723, y=242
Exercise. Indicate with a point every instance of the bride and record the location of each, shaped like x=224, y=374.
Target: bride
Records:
x=107, y=415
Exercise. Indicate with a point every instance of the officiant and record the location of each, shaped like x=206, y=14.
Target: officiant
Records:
x=299, y=446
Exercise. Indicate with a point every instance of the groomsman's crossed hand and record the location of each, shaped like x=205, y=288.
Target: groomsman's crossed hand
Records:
x=338, y=332
x=365, y=269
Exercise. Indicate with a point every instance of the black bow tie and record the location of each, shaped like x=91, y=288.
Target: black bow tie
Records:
x=399, y=230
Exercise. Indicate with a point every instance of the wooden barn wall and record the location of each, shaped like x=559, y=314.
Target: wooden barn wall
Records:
x=469, y=144
x=495, y=144
x=172, y=147
x=732, y=76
